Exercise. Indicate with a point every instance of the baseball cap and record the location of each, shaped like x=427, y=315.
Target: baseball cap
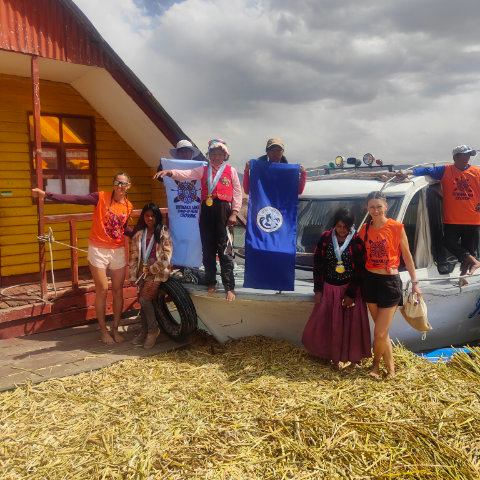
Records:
x=275, y=142
x=464, y=149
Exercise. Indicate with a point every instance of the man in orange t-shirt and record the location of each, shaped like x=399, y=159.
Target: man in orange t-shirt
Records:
x=461, y=205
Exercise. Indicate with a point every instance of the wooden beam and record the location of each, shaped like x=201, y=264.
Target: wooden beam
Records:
x=37, y=154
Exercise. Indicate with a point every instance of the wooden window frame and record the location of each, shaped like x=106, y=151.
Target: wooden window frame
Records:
x=62, y=172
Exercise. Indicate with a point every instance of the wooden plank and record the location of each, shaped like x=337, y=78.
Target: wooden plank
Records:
x=15, y=183
x=27, y=248
x=77, y=316
x=15, y=161
x=14, y=147
x=13, y=115
x=27, y=238
x=32, y=268
x=13, y=137
x=15, y=127
x=16, y=174
x=31, y=219
x=30, y=258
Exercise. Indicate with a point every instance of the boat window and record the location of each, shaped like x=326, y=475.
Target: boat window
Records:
x=415, y=223
x=315, y=216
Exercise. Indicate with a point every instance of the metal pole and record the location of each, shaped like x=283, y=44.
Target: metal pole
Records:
x=37, y=155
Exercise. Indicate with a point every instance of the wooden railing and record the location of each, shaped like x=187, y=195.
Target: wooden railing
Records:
x=73, y=219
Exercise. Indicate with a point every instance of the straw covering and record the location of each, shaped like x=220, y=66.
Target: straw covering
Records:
x=254, y=408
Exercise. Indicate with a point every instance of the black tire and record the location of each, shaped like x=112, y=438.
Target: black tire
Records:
x=175, y=311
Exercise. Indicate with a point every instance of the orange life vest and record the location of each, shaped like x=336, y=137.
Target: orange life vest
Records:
x=109, y=219
x=382, y=245
x=461, y=195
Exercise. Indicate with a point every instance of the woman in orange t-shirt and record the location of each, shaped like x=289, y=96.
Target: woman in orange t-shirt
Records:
x=385, y=241
x=105, y=246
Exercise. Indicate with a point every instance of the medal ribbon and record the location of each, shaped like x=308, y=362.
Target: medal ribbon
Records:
x=211, y=184
x=147, y=250
x=339, y=250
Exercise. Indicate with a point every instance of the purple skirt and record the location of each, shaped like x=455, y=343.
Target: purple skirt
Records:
x=336, y=333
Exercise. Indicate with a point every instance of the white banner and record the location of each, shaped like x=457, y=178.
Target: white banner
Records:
x=183, y=212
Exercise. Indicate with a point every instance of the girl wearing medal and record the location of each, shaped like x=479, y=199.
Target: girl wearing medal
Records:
x=150, y=258
x=338, y=330
x=221, y=200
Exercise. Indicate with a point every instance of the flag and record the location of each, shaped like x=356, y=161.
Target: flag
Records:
x=183, y=199
x=271, y=226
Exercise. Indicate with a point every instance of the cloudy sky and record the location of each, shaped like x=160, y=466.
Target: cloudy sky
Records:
x=399, y=79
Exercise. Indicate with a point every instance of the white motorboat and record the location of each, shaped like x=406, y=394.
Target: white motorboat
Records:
x=283, y=315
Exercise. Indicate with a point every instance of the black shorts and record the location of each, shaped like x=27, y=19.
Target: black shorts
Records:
x=384, y=290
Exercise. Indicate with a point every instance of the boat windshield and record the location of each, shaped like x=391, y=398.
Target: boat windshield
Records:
x=315, y=216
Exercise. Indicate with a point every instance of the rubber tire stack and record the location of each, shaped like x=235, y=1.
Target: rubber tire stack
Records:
x=185, y=308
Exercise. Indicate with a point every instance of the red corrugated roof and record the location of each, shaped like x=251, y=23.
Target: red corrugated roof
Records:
x=57, y=29
x=48, y=28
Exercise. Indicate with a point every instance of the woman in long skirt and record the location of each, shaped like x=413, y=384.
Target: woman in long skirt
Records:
x=338, y=328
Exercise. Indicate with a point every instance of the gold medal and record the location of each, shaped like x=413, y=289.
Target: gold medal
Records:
x=209, y=201
x=340, y=268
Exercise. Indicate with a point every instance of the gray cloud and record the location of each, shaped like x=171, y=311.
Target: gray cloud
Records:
x=331, y=77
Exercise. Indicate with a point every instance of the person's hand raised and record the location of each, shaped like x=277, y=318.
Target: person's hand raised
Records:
x=38, y=193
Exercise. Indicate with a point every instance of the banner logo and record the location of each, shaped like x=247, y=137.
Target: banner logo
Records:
x=269, y=219
x=186, y=192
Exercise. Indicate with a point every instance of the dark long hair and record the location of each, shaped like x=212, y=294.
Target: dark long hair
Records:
x=343, y=215
x=141, y=225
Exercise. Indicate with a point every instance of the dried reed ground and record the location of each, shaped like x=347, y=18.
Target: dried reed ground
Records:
x=255, y=408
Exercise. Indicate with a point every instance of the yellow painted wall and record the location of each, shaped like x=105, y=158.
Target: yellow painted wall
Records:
x=18, y=214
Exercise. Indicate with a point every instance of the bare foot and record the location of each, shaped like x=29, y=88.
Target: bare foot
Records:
x=475, y=265
x=118, y=338
x=230, y=296
x=462, y=282
x=211, y=290
x=107, y=339
x=375, y=374
x=391, y=375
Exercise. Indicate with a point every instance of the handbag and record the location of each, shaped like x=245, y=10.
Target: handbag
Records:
x=414, y=311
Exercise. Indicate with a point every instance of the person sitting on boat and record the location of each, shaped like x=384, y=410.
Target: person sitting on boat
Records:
x=385, y=240
x=461, y=206
x=221, y=200
x=274, y=153
x=105, y=246
x=150, y=265
x=338, y=328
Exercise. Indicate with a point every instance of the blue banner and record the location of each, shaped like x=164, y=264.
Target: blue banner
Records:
x=271, y=226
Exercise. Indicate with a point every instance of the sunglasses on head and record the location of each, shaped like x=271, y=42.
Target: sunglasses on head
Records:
x=118, y=183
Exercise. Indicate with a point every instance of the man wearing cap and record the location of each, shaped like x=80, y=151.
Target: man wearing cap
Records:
x=274, y=153
x=461, y=205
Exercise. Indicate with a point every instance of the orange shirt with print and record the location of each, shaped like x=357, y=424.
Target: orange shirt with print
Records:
x=109, y=220
x=461, y=195
x=382, y=245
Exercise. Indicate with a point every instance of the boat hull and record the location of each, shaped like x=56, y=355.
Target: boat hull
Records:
x=283, y=316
